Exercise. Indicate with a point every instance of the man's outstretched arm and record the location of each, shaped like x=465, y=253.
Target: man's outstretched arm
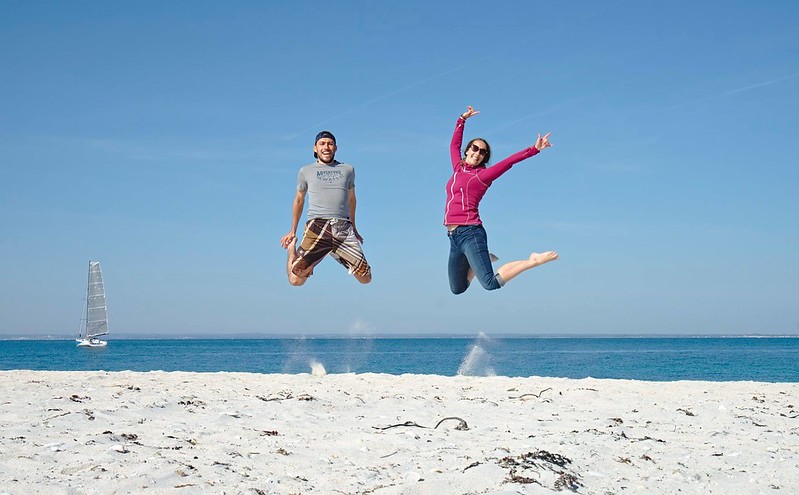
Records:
x=296, y=212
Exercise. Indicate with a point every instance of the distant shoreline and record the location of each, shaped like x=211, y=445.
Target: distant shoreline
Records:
x=402, y=336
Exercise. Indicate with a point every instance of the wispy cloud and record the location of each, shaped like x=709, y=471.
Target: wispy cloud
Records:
x=764, y=83
x=385, y=96
x=619, y=168
x=576, y=228
x=509, y=123
x=175, y=153
x=731, y=92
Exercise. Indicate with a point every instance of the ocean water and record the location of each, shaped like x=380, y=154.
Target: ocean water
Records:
x=653, y=359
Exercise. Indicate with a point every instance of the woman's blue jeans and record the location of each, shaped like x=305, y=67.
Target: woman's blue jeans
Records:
x=468, y=247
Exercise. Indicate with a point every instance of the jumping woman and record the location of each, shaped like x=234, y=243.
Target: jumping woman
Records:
x=471, y=178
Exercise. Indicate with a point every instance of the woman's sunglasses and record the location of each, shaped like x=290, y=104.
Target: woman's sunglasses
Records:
x=477, y=149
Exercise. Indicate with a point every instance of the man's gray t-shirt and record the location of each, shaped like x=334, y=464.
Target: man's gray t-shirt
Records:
x=329, y=187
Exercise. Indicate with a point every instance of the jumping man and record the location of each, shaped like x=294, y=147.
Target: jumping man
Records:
x=330, y=228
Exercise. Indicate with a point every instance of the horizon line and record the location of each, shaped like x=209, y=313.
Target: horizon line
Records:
x=343, y=336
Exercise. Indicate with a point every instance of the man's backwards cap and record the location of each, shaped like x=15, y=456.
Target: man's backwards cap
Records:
x=323, y=134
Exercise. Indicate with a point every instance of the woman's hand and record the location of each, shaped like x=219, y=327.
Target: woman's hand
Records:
x=542, y=142
x=469, y=112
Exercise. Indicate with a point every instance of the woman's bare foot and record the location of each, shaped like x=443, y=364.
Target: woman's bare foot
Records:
x=541, y=258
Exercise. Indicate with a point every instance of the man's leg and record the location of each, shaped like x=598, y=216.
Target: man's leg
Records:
x=294, y=280
x=316, y=243
x=363, y=278
x=347, y=251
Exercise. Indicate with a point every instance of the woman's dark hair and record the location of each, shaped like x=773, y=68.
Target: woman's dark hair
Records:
x=488, y=150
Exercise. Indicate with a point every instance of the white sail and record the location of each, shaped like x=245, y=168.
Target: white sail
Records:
x=96, y=311
x=96, y=318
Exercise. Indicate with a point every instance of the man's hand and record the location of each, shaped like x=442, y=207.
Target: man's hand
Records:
x=287, y=239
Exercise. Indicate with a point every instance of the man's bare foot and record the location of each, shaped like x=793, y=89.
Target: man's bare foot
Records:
x=291, y=247
x=545, y=257
x=294, y=258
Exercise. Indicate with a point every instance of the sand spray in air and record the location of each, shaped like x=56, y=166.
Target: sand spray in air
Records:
x=477, y=361
x=317, y=368
x=359, y=346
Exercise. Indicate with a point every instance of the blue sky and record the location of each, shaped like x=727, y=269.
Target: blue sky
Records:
x=163, y=139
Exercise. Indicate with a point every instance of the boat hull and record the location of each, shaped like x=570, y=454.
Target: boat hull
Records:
x=91, y=343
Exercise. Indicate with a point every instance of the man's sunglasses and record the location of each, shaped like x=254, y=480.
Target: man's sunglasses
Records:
x=477, y=149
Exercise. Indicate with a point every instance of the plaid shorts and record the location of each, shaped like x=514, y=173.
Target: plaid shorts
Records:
x=332, y=236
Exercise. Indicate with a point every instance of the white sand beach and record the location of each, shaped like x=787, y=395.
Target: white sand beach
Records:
x=231, y=433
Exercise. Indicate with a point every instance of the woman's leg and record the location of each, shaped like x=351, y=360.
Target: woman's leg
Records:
x=510, y=270
x=458, y=267
x=475, y=246
x=470, y=273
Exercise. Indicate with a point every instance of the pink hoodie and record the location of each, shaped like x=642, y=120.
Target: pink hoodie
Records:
x=467, y=186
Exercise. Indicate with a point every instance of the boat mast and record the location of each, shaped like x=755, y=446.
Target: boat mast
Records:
x=83, y=324
x=86, y=304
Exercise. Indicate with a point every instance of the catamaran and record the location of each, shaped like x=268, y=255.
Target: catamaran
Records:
x=94, y=323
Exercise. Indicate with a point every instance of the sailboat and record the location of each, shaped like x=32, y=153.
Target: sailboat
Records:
x=94, y=323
